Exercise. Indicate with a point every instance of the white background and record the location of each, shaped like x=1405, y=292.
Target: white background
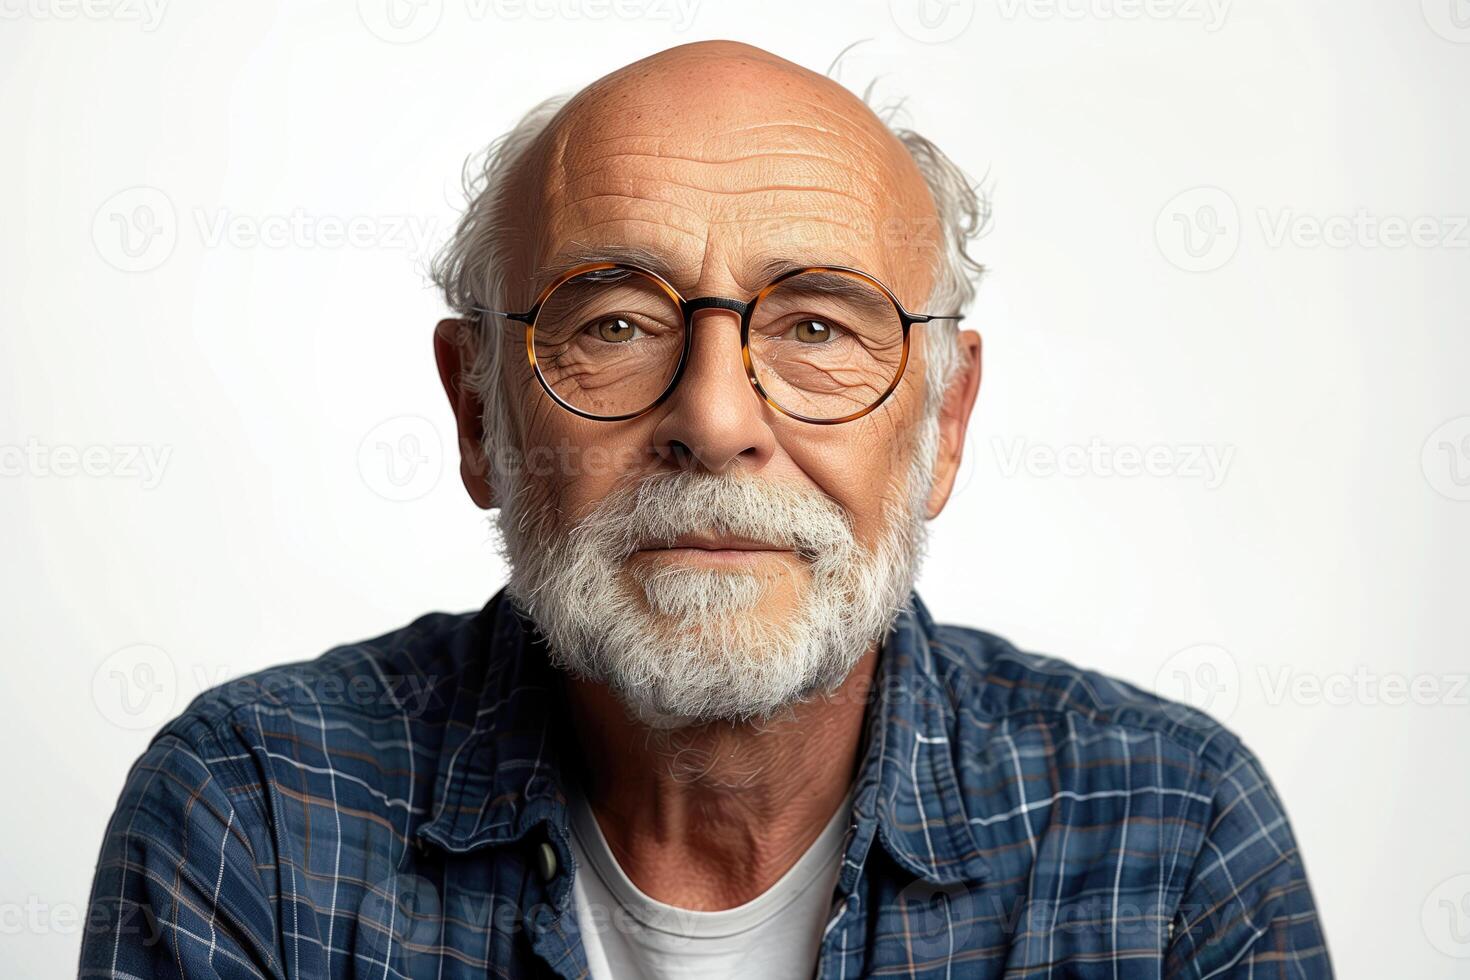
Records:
x=283, y=387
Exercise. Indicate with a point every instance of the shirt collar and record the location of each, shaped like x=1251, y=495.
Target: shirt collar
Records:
x=498, y=772
x=908, y=779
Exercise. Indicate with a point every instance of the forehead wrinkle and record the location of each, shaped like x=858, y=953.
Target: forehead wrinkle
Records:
x=717, y=149
x=645, y=176
x=782, y=169
x=875, y=148
x=863, y=145
x=633, y=184
x=793, y=225
x=872, y=171
x=731, y=130
x=582, y=201
x=719, y=192
x=704, y=197
x=803, y=142
x=652, y=97
x=797, y=231
x=662, y=228
x=718, y=161
x=734, y=120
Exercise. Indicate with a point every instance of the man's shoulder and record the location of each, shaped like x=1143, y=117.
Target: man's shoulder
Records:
x=408, y=673
x=216, y=819
x=991, y=682
x=1063, y=771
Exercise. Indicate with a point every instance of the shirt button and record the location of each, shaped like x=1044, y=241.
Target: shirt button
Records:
x=546, y=861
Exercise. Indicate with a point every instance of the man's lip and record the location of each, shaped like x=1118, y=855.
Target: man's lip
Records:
x=709, y=543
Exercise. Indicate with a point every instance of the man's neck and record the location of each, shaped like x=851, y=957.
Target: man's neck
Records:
x=710, y=816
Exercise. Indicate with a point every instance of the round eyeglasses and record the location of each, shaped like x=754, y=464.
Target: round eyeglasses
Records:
x=610, y=341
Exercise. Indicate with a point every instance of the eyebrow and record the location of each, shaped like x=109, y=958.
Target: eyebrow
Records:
x=842, y=287
x=574, y=255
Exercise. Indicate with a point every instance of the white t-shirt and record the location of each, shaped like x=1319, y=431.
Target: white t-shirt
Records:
x=775, y=935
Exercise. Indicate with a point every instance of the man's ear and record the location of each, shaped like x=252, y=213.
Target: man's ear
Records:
x=954, y=420
x=454, y=350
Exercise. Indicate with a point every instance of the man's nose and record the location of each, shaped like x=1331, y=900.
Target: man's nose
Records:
x=715, y=419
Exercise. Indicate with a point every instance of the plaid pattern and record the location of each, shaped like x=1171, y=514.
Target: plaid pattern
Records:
x=392, y=808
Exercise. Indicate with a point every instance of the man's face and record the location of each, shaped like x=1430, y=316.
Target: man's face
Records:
x=711, y=164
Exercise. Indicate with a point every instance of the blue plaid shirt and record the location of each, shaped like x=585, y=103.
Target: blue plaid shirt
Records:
x=393, y=809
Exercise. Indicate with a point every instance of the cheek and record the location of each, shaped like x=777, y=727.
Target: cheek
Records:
x=866, y=471
x=578, y=464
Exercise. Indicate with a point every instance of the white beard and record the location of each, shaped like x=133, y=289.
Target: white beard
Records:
x=681, y=645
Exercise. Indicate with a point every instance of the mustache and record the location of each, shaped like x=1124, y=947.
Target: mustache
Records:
x=659, y=508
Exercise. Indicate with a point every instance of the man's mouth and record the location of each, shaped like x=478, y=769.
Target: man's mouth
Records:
x=713, y=550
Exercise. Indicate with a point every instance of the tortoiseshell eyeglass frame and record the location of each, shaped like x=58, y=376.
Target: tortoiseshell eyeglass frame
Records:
x=745, y=309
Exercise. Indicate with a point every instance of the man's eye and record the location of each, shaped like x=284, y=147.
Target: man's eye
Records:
x=813, y=331
x=615, y=329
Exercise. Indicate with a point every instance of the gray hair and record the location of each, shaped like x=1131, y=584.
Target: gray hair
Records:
x=471, y=267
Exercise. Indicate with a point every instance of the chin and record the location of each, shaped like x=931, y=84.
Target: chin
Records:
x=702, y=598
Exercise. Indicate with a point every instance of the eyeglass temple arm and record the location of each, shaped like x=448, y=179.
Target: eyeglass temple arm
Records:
x=926, y=317
x=517, y=317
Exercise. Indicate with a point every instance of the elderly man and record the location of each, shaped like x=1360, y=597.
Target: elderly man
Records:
x=707, y=368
